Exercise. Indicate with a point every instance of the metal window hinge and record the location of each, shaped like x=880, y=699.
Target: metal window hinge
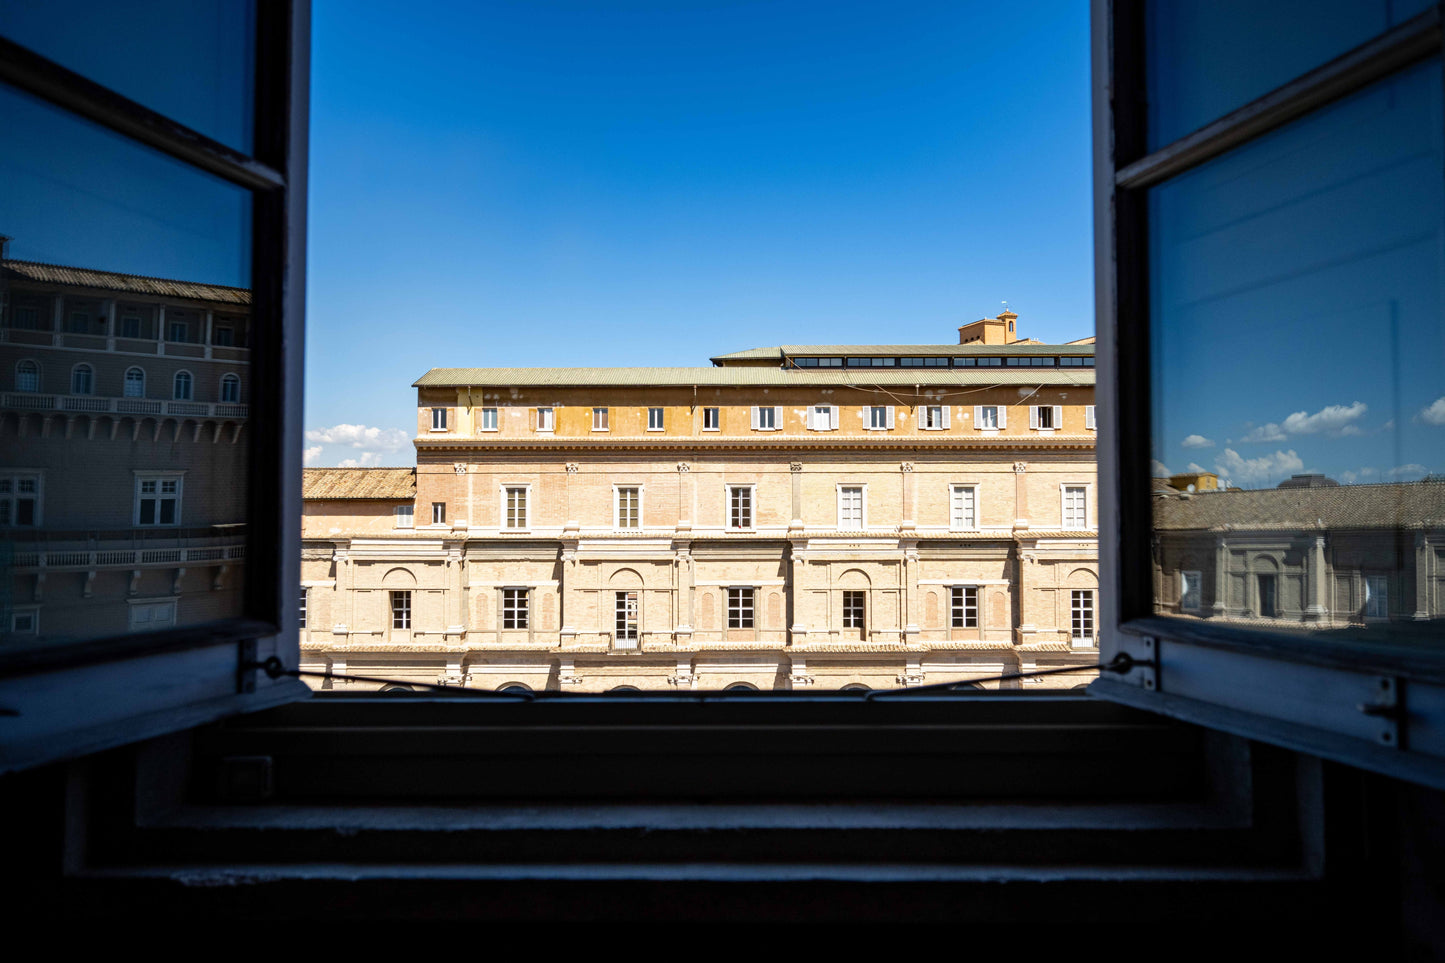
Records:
x=1388, y=709
x=1137, y=661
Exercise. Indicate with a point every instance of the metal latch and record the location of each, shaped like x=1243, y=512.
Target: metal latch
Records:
x=1388, y=709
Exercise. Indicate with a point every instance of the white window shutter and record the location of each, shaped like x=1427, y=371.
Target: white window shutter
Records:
x=890, y=418
x=978, y=416
x=1089, y=416
x=812, y=422
x=1033, y=416
x=832, y=416
x=777, y=418
x=1058, y=417
x=946, y=410
x=1002, y=416
x=755, y=417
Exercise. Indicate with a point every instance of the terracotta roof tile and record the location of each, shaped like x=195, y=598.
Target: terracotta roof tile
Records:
x=374, y=483
x=1390, y=506
x=130, y=283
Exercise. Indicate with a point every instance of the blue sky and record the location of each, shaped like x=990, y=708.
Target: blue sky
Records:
x=542, y=183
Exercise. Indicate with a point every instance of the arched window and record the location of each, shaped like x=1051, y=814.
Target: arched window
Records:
x=231, y=390
x=135, y=383
x=183, y=386
x=82, y=380
x=27, y=376
x=741, y=687
x=514, y=687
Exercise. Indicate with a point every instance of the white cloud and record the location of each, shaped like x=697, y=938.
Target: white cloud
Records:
x=1196, y=441
x=310, y=455
x=1253, y=471
x=1269, y=432
x=1159, y=469
x=1196, y=467
x=1434, y=413
x=359, y=436
x=1402, y=470
x=1331, y=419
x=347, y=463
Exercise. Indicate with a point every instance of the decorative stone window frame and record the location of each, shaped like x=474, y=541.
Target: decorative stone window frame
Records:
x=1064, y=487
x=617, y=488
x=139, y=477
x=838, y=505
x=502, y=489
x=752, y=490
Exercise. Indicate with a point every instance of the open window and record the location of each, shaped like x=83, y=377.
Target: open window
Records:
x=1273, y=532
x=130, y=615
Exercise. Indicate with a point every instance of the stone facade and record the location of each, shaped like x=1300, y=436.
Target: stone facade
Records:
x=683, y=540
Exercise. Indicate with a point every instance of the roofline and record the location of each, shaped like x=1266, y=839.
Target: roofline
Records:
x=740, y=377
x=121, y=274
x=895, y=350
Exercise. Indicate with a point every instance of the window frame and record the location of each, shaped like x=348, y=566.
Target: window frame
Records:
x=141, y=478
x=504, y=513
x=189, y=383
x=953, y=489
x=407, y=512
x=1064, y=489
x=551, y=418
x=862, y=488
x=402, y=612
x=617, y=490
x=959, y=606
x=13, y=476
x=1378, y=717
x=741, y=608
x=714, y=413
x=488, y=420
x=600, y=418
x=439, y=419
x=751, y=507
x=516, y=606
x=660, y=417
x=88, y=371
x=438, y=514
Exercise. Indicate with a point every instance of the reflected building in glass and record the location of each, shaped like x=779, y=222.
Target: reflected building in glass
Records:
x=123, y=406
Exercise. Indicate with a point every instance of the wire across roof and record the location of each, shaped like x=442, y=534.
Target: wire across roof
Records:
x=130, y=283
x=747, y=377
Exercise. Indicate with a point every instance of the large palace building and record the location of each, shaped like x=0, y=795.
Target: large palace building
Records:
x=123, y=404
x=792, y=517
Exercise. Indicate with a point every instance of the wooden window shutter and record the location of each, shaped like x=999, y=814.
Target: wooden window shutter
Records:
x=889, y=413
x=1002, y=416
x=777, y=417
x=946, y=410
x=978, y=416
x=755, y=417
x=1033, y=416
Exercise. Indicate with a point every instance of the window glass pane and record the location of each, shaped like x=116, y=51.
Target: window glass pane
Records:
x=192, y=60
x=1296, y=331
x=137, y=518
x=1209, y=57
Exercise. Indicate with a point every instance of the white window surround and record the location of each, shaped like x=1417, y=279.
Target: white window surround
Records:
x=822, y=417
x=617, y=507
x=405, y=516
x=934, y=417
x=146, y=615
x=1054, y=417
x=183, y=386
x=1089, y=422
x=82, y=380
x=159, y=488
x=12, y=483
x=1064, y=513
x=546, y=418
x=25, y=621
x=438, y=514
x=955, y=523
x=599, y=419
x=752, y=506
x=135, y=383
x=27, y=375
x=984, y=421
x=1377, y=596
x=439, y=419
x=861, y=521
x=712, y=414
x=878, y=417
x=656, y=419
x=502, y=514
x=1083, y=617
x=1190, y=589
x=488, y=419
x=231, y=389
x=767, y=418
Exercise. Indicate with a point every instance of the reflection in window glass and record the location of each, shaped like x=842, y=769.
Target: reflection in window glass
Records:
x=1298, y=409
x=141, y=49
x=1218, y=55
x=128, y=514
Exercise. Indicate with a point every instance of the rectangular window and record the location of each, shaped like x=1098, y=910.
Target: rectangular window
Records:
x=988, y=416
x=1189, y=591
x=1377, y=597
x=822, y=418
x=850, y=508
x=27, y=318
x=223, y=337
x=19, y=501
x=880, y=417
x=1076, y=506
x=935, y=417
x=546, y=419
x=157, y=500
x=599, y=419
x=515, y=508
x=964, y=614
x=1267, y=588
x=514, y=608
x=740, y=506
x=401, y=610
x=438, y=419
x=710, y=419
x=1046, y=417
x=130, y=326
x=301, y=609
x=629, y=507
x=79, y=322
x=963, y=507
x=179, y=331
x=150, y=616
x=25, y=623
x=1089, y=418
x=404, y=515
x=1081, y=611
x=625, y=624
x=853, y=609
x=654, y=419
x=740, y=608
x=438, y=513
x=487, y=419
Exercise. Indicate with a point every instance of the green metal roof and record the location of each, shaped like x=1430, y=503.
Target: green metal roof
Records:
x=903, y=350
x=743, y=377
